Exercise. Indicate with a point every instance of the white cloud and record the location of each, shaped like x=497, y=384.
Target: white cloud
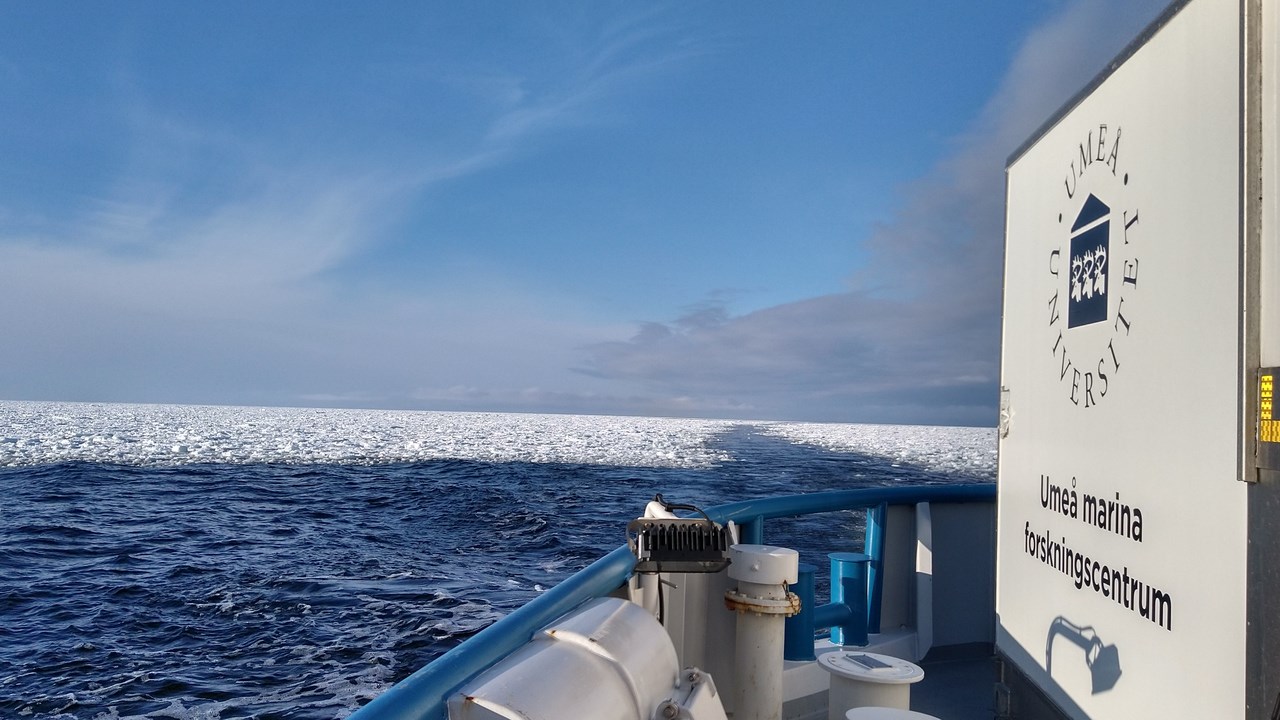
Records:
x=208, y=264
x=916, y=337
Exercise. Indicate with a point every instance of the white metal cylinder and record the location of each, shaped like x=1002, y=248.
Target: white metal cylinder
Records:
x=884, y=713
x=758, y=664
x=762, y=603
x=860, y=679
x=649, y=587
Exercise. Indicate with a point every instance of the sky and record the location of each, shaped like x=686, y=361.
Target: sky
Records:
x=751, y=210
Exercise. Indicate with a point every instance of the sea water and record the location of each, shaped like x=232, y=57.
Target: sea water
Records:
x=223, y=562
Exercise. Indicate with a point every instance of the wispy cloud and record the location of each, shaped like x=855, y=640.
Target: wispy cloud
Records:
x=221, y=202
x=915, y=339
x=607, y=61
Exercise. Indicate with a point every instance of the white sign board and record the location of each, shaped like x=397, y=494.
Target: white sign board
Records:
x=1122, y=525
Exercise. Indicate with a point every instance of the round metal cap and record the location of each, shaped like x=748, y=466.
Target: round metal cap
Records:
x=871, y=667
x=763, y=564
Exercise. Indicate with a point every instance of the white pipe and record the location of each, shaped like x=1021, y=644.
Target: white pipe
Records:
x=650, y=586
x=763, y=604
x=758, y=665
x=656, y=509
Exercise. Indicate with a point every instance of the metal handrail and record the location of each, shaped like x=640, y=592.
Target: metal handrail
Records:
x=422, y=695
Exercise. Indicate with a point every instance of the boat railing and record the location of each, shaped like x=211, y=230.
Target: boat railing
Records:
x=422, y=695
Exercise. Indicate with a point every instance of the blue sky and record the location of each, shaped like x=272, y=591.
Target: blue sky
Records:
x=738, y=210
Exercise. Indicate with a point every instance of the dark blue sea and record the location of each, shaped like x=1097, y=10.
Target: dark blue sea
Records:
x=302, y=590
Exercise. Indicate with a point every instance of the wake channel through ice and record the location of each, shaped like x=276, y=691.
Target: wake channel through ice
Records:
x=961, y=450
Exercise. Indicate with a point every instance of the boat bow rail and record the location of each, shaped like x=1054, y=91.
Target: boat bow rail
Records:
x=423, y=695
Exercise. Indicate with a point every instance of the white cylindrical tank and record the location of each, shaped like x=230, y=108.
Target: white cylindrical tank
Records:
x=610, y=660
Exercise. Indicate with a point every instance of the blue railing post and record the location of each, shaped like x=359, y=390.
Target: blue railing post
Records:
x=798, y=642
x=752, y=531
x=849, y=588
x=874, y=547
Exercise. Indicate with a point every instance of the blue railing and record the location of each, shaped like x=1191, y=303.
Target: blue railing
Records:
x=422, y=695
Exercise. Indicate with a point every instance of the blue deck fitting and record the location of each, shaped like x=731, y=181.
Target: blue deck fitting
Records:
x=849, y=589
x=874, y=547
x=800, y=628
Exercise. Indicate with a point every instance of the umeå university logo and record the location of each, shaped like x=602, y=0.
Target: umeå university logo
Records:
x=1090, y=242
x=1093, y=269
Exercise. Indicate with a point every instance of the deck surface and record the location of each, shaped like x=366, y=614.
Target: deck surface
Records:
x=958, y=684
